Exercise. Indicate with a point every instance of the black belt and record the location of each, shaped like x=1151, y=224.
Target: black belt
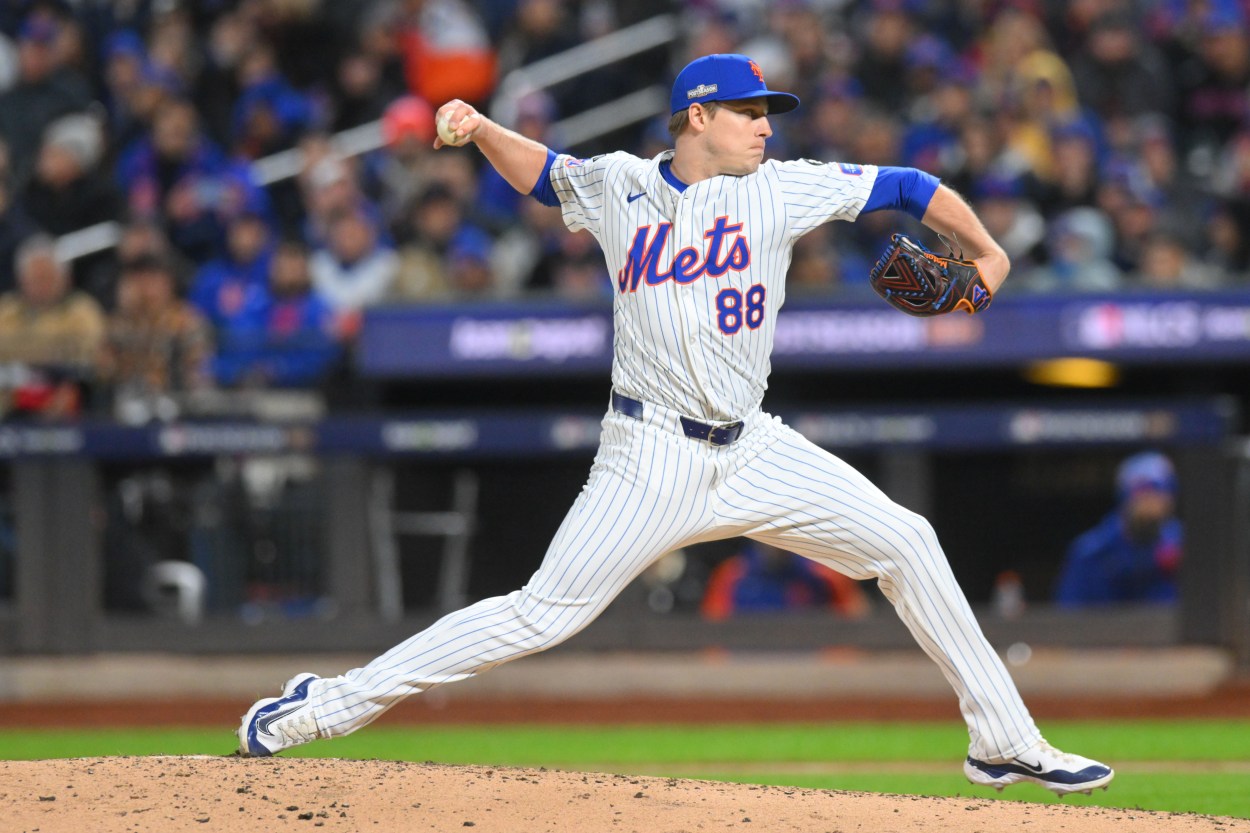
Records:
x=714, y=434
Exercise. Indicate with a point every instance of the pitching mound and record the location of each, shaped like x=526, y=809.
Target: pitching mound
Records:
x=121, y=795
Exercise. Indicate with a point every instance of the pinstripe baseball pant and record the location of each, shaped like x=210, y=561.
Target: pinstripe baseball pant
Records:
x=651, y=490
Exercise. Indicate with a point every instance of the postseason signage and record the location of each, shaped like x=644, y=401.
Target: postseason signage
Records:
x=552, y=339
x=528, y=434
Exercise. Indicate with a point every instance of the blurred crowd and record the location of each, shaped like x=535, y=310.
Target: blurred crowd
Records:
x=1106, y=143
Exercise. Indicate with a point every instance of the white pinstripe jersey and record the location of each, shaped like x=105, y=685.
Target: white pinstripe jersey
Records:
x=700, y=274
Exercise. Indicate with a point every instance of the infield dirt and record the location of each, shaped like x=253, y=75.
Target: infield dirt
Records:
x=170, y=794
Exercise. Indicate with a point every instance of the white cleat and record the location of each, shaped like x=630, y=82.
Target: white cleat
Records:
x=277, y=723
x=1059, y=772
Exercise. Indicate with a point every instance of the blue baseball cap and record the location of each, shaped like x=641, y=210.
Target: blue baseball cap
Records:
x=1148, y=470
x=726, y=78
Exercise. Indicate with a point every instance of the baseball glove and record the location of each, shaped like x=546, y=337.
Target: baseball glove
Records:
x=919, y=282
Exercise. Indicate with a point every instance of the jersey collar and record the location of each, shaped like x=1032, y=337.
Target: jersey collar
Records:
x=664, y=163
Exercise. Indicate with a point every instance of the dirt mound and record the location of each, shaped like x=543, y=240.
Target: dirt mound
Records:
x=170, y=794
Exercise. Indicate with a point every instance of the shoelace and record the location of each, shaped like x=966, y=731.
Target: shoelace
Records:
x=299, y=727
x=1071, y=760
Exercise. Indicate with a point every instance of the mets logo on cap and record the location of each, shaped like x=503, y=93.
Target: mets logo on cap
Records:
x=725, y=78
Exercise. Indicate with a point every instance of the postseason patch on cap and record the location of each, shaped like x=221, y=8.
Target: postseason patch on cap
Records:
x=701, y=90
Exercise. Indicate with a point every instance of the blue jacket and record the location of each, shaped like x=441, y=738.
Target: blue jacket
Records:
x=1103, y=566
x=286, y=342
x=224, y=288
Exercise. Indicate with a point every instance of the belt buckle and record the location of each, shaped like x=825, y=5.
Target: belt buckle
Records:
x=734, y=428
x=709, y=432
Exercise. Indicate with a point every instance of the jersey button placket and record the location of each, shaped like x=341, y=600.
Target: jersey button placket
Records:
x=691, y=320
x=685, y=301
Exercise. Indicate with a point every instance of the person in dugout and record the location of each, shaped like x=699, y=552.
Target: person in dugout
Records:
x=1133, y=553
x=761, y=578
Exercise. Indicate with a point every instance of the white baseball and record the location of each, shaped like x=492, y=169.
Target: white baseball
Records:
x=446, y=132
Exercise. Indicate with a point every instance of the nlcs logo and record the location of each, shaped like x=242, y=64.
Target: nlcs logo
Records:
x=689, y=264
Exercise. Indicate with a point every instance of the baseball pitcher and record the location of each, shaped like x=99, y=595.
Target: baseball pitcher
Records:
x=698, y=241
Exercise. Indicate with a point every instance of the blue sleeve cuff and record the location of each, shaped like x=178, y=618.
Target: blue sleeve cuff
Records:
x=543, y=191
x=903, y=189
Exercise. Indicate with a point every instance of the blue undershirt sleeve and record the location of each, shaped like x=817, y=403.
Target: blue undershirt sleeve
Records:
x=904, y=189
x=543, y=190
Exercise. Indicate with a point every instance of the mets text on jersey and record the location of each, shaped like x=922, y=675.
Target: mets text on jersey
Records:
x=689, y=264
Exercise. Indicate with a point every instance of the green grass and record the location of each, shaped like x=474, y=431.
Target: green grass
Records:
x=1219, y=795
x=757, y=754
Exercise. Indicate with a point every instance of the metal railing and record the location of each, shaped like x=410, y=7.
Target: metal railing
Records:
x=574, y=130
x=576, y=62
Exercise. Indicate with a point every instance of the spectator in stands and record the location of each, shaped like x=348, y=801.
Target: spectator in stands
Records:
x=572, y=267
x=1045, y=106
x=982, y=153
x=51, y=331
x=269, y=114
x=175, y=171
x=834, y=121
x=1079, y=244
x=1167, y=265
x=355, y=269
x=284, y=335
x=539, y=29
x=1072, y=180
x=46, y=89
x=68, y=191
x=888, y=29
x=1155, y=161
x=138, y=238
x=377, y=37
x=172, y=43
x=158, y=347
x=231, y=36
x=330, y=187
x=1212, y=104
x=1120, y=73
x=446, y=52
x=1136, y=218
x=221, y=289
x=469, y=272
x=765, y=579
x=814, y=48
x=135, y=88
x=1132, y=555
x=937, y=115
x=406, y=162
x=433, y=220
x=1011, y=35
